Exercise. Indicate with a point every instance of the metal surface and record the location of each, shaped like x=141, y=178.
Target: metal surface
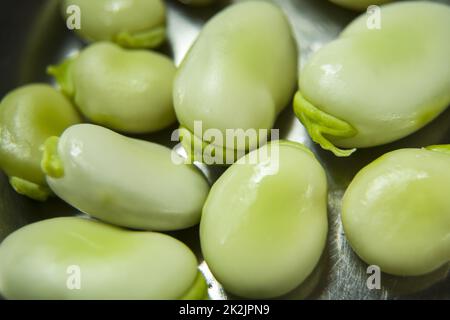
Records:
x=33, y=35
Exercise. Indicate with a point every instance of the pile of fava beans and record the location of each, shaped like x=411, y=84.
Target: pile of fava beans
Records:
x=263, y=223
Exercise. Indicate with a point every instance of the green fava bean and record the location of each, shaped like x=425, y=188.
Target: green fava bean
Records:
x=239, y=74
x=264, y=224
x=396, y=211
x=28, y=116
x=125, y=90
x=76, y=258
x=129, y=23
x=124, y=181
x=359, y=4
x=374, y=86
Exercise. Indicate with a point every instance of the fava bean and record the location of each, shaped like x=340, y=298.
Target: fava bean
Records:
x=264, y=224
x=76, y=258
x=28, y=116
x=239, y=74
x=124, y=181
x=125, y=90
x=396, y=211
x=129, y=23
x=374, y=86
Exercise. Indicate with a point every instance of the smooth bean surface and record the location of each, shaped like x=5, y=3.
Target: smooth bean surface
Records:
x=374, y=86
x=264, y=224
x=129, y=23
x=28, y=116
x=124, y=181
x=125, y=90
x=396, y=211
x=239, y=74
x=76, y=258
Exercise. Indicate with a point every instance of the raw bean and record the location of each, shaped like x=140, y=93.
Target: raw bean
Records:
x=396, y=211
x=28, y=116
x=76, y=258
x=125, y=90
x=374, y=86
x=239, y=74
x=124, y=181
x=129, y=23
x=264, y=224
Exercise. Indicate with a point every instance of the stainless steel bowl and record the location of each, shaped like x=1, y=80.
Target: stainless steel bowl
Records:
x=33, y=35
